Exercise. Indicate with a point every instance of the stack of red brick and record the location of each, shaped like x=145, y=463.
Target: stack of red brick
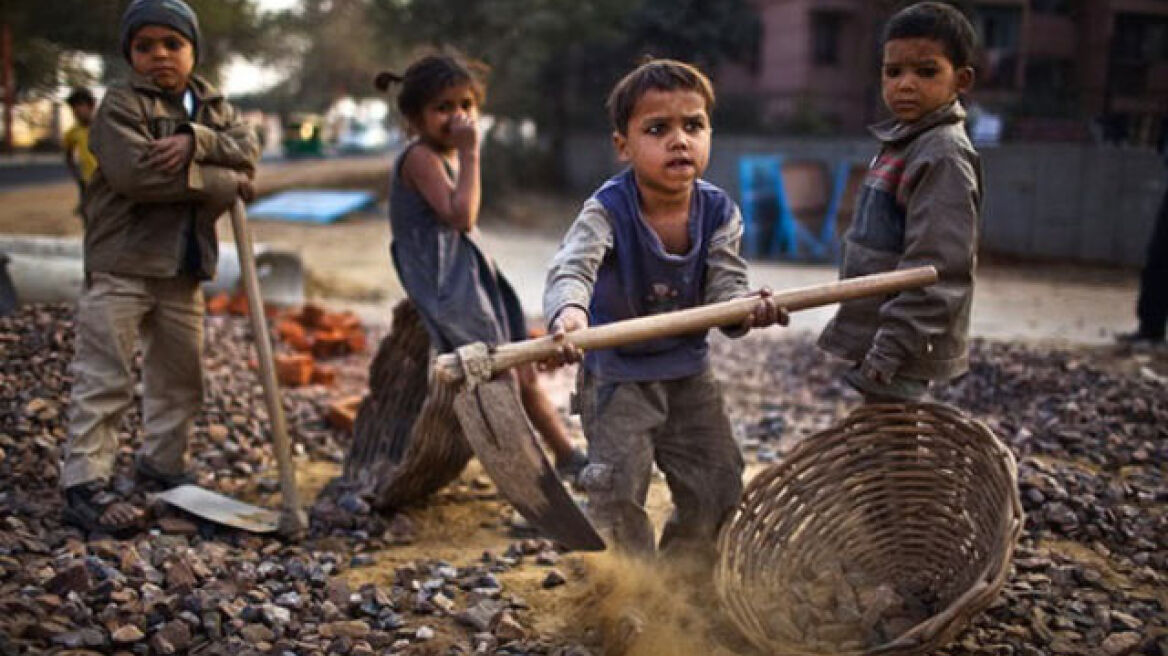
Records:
x=315, y=334
x=311, y=333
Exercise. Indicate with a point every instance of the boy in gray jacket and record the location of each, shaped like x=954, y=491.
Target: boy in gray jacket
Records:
x=173, y=155
x=919, y=205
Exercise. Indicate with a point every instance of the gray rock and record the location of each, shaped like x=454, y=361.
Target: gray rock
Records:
x=508, y=629
x=1125, y=621
x=254, y=633
x=1119, y=644
x=127, y=634
x=276, y=615
x=547, y=557
x=81, y=639
x=173, y=638
x=347, y=628
x=289, y=600
x=73, y=578
x=481, y=616
x=553, y=579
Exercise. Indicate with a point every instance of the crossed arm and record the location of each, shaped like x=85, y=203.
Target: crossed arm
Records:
x=150, y=170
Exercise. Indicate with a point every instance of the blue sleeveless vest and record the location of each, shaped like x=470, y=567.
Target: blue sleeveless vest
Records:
x=638, y=277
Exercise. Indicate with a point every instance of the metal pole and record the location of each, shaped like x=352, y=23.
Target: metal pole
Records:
x=293, y=521
x=9, y=83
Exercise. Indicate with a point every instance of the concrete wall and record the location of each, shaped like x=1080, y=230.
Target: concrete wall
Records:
x=1067, y=201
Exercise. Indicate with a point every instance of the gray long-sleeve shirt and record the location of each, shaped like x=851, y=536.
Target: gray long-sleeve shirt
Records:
x=572, y=272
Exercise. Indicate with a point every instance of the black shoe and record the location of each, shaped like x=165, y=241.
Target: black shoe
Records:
x=572, y=467
x=150, y=477
x=1139, y=337
x=86, y=506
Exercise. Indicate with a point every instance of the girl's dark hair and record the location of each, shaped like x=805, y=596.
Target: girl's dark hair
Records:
x=431, y=75
x=940, y=22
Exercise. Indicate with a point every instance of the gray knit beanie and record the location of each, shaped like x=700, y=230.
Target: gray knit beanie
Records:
x=175, y=14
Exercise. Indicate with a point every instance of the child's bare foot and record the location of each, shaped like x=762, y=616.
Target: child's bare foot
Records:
x=93, y=508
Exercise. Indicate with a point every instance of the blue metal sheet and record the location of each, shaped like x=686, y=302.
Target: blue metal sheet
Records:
x=311, y=205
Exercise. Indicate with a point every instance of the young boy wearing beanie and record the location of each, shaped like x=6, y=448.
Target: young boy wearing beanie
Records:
x=173, y=155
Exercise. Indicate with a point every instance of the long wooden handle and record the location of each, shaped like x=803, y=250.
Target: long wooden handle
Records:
x=293, y=521
x=670, y=324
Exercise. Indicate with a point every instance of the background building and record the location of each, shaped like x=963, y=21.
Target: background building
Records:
x=1054, y=69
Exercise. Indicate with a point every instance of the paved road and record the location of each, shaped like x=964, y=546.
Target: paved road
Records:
x=33, y=170
x=1075, y=304
x=43, y=168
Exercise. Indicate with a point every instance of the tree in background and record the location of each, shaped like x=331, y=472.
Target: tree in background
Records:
x=560, y=57
x=43, y=33
x=46, y=35
x=333, y=51
x=554, y=61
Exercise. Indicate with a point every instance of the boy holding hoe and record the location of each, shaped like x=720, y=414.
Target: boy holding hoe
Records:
x=655, y=238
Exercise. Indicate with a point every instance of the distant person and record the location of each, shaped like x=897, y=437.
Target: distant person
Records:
x=173, y=155
x=919, y=205
x=1152, y=306
x=655, y=238
x=433, y=212
x=78, y=158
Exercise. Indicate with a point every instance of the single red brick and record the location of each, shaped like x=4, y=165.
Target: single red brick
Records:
x=303, y=344
x=344, y=321
x=356, y=340
x=294, y=369
x=238, y=305
x=218, y=303
x=323, y=374
x=329, y=344
x=342, y=414
x=311, y=316
x=288, y=330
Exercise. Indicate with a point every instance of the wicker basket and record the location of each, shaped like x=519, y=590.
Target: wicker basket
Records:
x=915, y=496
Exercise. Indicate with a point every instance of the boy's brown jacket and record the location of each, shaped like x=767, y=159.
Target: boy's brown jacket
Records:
x=138, y=220
x=919, y=205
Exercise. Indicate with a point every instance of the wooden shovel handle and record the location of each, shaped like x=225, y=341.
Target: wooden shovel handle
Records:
x=293, y=522
x=670, y=324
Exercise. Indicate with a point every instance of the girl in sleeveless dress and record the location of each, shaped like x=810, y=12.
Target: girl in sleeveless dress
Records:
x=433, y=208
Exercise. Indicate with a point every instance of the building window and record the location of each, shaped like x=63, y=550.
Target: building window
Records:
x=826, y=27
x=1129, y=78
x=1051, y=6
x=1140, y=38
x=998, y=28
x=1049, y=76
x=1137, y=42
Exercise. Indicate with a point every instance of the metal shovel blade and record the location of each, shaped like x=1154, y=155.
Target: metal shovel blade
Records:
x=497, y=428
x=221, y=509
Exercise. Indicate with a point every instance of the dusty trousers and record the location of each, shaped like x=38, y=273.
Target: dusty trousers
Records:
x=681, y=425
x=1152, y=307
x=114, y=310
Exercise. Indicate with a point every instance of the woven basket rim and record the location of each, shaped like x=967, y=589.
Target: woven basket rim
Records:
x=939, y=628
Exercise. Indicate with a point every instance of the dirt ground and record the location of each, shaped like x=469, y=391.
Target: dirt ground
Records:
x=348, y=266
